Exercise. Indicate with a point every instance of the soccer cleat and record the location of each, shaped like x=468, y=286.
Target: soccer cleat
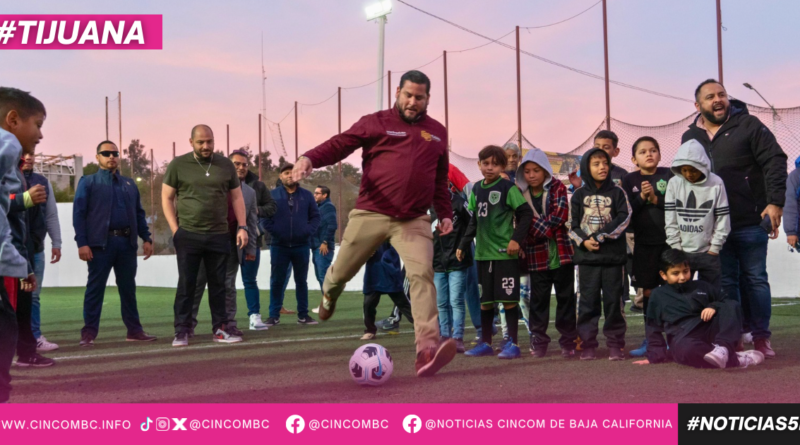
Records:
x=430, y=360
x=272, y=322
x=368, y=336
x=460, y=345
x=256, y=324
x=640, y=351
x=616, y=354
x=326, y=308
x=503, y=343
x=567, y=353
x=42, y=345
x=140, y=336
x=35, y=361
x=718, y=356
x=482, y=350
x=588, y=354
x=750, y=358
x=307, y=320
x=391, y=327
x=510, y=352
x=763, y=346
x=181, y=339
x=87, y=339
x=224, y=337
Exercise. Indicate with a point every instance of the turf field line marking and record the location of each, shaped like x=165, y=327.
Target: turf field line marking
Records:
x=213, y=345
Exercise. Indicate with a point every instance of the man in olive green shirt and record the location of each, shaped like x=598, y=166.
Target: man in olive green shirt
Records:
x=194, y=196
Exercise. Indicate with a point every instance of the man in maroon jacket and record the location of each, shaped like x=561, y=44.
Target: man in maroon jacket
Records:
x=405, y=165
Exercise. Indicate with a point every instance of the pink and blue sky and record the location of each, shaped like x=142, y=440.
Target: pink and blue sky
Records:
x=209, y=70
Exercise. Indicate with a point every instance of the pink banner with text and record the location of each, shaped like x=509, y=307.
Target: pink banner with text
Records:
x=112, y=31
x=317, y=423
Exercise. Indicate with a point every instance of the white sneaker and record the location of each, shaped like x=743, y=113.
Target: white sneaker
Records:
x=315, y=310
x=750, y=358
x=180, y=340
x=747, y=338
x=256, y=324
x=43, y=345
x=718, y=356
x=368, y=336
x=223, y=337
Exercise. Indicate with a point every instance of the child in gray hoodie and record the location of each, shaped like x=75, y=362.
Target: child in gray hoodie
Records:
x=696, y=212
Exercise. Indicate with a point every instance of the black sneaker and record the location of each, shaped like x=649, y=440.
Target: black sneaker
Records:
x=233, y=330
x=181, y=339
x=616, y=354
x=460, y=345
x=391, y=327
x=191, y=333
x=588, y=354
x=636, y=309
x=307, y=320
x=35, y=361
x=87, y=339
x=272, y=321
x=540, y=351
x=567, y=353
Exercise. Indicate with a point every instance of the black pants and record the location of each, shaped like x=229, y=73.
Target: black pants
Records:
x=8, y=342
x=592, y=280
x=541, y=283
x=724, y=329
x=371, y=301
x=192, y=249
x=26, y=342
x=708, y=268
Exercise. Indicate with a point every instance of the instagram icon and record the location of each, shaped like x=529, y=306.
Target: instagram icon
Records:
x=162, y=424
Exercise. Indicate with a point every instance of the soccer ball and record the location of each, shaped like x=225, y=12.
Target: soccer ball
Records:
x=371, y=365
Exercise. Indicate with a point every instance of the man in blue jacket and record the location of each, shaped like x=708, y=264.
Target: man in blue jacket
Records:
x=108, y=218
x=291, y=228
x=323, y=241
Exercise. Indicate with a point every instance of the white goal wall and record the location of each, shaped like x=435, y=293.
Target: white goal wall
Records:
x=162, y=270
x=157, y=271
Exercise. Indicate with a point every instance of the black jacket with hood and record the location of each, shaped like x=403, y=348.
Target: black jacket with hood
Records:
x=746, y=155
x=602, y=214
x=264, y=201
x=444, y=247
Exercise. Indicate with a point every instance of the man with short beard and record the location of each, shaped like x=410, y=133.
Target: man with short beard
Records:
x=404, y=171
x=195, y=189
x=745, y=154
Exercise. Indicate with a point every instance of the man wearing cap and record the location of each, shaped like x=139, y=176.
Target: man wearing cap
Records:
x=291, y=228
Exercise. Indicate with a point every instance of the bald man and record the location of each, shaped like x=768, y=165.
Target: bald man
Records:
x=202, y=186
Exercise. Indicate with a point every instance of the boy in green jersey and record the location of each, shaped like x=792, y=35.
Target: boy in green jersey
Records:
x=494, y=203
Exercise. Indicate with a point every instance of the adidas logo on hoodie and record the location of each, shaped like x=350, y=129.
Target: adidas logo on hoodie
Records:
x=697, y=214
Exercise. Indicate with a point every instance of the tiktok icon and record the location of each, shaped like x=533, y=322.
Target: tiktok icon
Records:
x=145, y=426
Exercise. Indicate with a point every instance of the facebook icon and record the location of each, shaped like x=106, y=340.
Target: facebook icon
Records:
x=412, y=424
x=295, y=424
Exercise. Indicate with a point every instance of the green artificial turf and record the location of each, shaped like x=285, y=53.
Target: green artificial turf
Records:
x=291, y=363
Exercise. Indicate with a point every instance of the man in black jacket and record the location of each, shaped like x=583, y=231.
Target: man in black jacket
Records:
x=745, y=154
x=266, y=208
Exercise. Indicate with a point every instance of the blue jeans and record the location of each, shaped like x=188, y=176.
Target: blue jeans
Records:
x=251, y=292
x=472, y=296
x=120, y=256
x=321, y=264
x=38, y=270
x=744, y=277
x=281, y=258
x=450, y=300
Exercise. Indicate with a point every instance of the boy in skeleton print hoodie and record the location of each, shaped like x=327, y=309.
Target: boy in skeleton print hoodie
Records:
x=600, y=215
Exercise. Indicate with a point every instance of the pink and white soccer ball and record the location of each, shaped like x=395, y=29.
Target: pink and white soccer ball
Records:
x=371, y=365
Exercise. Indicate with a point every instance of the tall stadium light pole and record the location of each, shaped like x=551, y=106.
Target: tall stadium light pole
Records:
x=152, y=189
x=228, y=139
x=719, y=41
x=173, y=150
x=519, y=98
x=605, y=53
x=259, y=147
x=389, y=88
x=775, y=116
x=378, y=11
x=296, y=152
x=106, y=117
x=446, y=115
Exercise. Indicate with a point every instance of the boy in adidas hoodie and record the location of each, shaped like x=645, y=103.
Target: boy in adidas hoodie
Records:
x=696, y=212
x=600, y=215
